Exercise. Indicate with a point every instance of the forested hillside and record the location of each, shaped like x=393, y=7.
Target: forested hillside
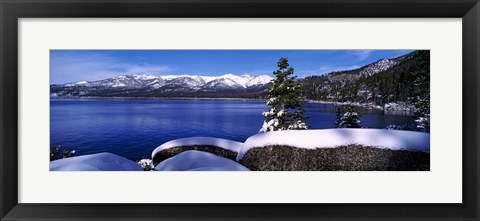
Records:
x=406, y=79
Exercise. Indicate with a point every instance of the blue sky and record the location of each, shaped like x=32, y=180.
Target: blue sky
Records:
x=90, y=65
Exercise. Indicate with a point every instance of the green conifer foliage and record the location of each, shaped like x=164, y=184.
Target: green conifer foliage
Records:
x=285, y=101
x=338, y=118
x=350, y=119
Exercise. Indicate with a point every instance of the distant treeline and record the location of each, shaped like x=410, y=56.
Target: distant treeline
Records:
x=399, y=83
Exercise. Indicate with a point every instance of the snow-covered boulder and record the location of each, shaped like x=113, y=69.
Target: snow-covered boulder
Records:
x=210, y=141
x=221, y=147
x=329, y=138
x=95, y=162
x=194, y=160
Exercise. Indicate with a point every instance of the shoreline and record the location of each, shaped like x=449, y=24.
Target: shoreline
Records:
x=346, y=103
x=368, y=106
x=387, y=110
x=156, y=98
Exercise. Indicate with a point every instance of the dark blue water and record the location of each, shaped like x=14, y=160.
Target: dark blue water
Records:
x=134, y=127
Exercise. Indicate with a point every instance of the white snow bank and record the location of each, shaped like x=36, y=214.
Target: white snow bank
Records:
x=95, y=162
x=194, y=160
x=328, y=138
x=211, y=141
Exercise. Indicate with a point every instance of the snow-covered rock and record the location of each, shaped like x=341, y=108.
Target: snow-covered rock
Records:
x=210, y=141
x=194, y=160
x=95, y=162
x=379, y=66
x=329, y=138
x=399, y=106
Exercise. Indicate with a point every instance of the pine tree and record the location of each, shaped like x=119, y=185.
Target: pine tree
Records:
x=421, y=101
x=350, y=118
x=338, y=118
x=285, y=101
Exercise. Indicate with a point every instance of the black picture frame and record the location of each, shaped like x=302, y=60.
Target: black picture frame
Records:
x=12, y=10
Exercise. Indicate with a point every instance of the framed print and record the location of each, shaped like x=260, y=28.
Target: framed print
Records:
x=239, y=110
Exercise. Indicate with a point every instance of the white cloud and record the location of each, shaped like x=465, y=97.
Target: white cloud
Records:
x=360, y=54
x=71, y=67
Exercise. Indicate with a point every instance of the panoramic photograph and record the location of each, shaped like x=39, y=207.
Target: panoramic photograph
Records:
x=239, y=110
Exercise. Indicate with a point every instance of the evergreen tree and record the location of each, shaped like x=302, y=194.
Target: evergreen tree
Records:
x=391, y=85
x=421, y=101
x=285, y=101
x=350, y=118
x=338, y=118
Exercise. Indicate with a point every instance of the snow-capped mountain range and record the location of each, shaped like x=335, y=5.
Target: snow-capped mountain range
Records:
x=193, y=81
x=153, y=85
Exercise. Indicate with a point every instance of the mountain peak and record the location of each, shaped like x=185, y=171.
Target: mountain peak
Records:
x=377, y=67
x=145, y=83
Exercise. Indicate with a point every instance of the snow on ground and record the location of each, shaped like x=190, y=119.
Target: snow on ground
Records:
x=95, y=162
x=211, y=141
x=193, y=160
x=328, y=138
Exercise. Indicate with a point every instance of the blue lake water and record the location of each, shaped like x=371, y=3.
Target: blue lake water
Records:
x=134, y=127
